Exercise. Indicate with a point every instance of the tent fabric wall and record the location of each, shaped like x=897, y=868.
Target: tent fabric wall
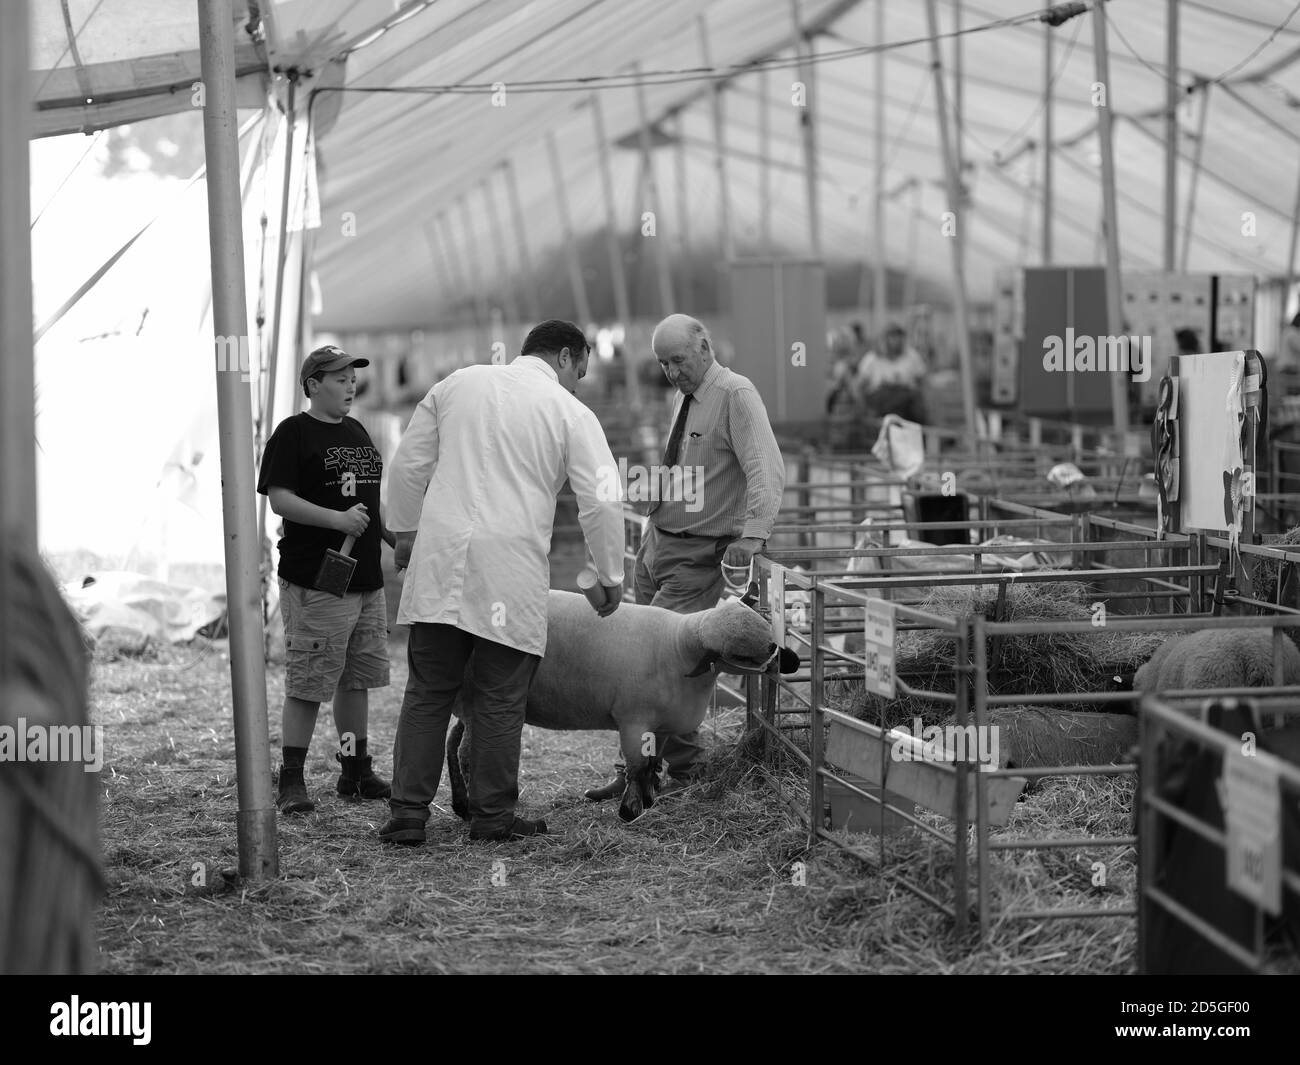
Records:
x=396, y=159
x=128, y=464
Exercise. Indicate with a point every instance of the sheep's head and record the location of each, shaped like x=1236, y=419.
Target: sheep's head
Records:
x=739, y=640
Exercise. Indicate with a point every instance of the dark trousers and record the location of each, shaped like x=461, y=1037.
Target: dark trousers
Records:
x=682, y=574
x=437, y=656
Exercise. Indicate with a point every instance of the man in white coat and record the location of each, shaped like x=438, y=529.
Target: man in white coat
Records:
x=471, y=501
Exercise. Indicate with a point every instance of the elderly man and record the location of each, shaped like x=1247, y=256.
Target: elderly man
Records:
x=721, y=445
x=493, y=445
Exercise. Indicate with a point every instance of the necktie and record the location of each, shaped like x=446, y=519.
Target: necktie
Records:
x=675, y=437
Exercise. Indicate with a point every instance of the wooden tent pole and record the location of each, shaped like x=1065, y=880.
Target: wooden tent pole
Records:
x=256, y=825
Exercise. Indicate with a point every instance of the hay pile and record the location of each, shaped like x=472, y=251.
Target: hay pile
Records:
x=1018, y=665
x=1264, y=576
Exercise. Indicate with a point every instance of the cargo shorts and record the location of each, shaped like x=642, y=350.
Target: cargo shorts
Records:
x=331, y=643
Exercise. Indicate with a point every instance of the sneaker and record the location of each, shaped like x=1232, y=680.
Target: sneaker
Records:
x=293, y=798
x=521, y=828
x=358, y=781
x=408, y=831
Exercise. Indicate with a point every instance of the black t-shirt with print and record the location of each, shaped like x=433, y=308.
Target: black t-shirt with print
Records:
x=333, y=465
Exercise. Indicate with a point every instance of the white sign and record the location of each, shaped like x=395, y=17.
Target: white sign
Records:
x=879, y=651
x=776, y=602
x=1252, y=823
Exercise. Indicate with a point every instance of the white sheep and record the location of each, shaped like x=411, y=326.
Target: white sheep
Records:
x=1217, y=658
x=643, y=671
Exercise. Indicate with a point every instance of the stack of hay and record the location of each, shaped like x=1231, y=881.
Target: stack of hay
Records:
x=1037, y=663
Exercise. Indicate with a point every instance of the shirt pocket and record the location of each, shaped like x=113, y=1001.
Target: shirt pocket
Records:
x=704, y=449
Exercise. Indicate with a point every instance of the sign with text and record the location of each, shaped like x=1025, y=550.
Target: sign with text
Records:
x=1252, y=824
x=879, y=651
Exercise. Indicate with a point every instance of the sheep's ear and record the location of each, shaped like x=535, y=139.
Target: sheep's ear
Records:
x=704, y=666
x=789, y=661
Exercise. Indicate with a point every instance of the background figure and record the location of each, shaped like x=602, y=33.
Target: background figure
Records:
x=721, y=434
x=889, y=381
x=493, y=446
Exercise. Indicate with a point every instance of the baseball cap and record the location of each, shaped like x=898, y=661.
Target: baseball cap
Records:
x=328, y=358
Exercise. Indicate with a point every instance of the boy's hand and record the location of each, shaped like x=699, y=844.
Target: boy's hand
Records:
x=402, y=549
x=353, y=522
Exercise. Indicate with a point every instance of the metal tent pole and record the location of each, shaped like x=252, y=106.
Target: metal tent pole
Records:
x=506, y=282
x=1196, y=176
x=264, y=425
x=725, y=246
x=662, y=271
x=765, y=161
x=566, y=226
x=482, y=318
x=1172, y=91
x=1114, y=281
x=17, y=368
x=618, y=276
x=954, y=192
x=880, y=270
x=807, y=124
x=532, y=299
x=256, y=827
x=1048, y=108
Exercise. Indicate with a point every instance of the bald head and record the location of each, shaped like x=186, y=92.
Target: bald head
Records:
x=684, y=350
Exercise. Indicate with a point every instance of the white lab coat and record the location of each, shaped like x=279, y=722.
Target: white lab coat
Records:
x=493, y=445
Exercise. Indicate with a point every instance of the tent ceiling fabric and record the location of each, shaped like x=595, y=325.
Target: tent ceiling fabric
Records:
x=395, y=162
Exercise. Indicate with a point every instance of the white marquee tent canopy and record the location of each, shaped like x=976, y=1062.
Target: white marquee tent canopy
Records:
x=413, y=150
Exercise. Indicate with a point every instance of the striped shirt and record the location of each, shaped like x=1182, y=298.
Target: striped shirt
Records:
x=732, y=470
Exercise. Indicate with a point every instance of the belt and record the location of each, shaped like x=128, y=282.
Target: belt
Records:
x=683, y=535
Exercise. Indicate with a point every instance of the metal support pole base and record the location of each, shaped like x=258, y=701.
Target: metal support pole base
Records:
x=259, y=857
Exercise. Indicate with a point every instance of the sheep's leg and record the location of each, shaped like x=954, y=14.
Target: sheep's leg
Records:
x=459, y=769
x=458, y=744
x=638, y=796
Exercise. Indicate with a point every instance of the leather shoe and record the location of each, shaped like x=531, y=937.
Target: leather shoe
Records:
x=521, y=828
x=409, y=831
x=612, y=790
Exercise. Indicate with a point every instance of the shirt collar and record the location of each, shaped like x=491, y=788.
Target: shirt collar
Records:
x=535, y=363
x=710, y=378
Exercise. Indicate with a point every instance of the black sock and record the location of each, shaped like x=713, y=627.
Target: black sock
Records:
x=361, y=747
x=295, y=757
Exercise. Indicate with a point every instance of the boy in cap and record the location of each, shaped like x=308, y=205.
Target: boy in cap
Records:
x=321, y=473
